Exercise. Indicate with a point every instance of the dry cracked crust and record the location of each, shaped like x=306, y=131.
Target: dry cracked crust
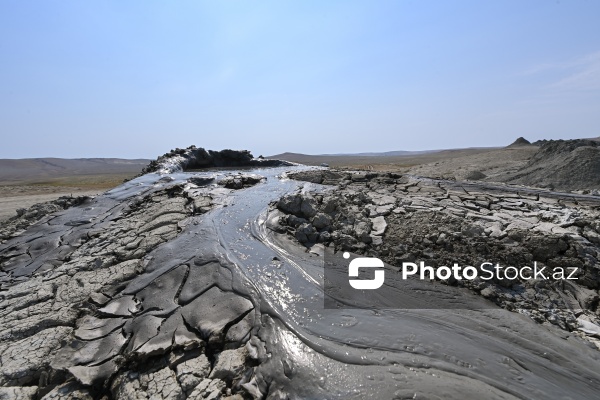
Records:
x=398, y=219
x=90, y=311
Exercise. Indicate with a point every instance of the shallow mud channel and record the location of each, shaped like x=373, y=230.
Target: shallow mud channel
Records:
x=173, y=285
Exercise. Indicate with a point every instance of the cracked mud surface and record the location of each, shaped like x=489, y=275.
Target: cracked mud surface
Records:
x=402, y=219
x=177, y=285
x=28, y=216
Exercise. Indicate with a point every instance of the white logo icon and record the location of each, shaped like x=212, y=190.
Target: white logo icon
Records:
x=365, y=262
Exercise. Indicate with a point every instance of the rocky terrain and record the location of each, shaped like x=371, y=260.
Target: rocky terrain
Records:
x=398, y=219
x=208, y=284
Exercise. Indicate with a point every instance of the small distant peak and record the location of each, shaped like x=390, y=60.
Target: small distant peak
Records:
x=520, y=142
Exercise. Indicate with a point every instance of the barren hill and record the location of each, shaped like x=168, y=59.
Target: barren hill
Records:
x=17, y=170
x=562, y=164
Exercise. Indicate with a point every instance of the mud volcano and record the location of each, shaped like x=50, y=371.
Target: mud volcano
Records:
x=209, y=285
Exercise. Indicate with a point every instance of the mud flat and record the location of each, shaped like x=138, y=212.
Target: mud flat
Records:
x=201, y=285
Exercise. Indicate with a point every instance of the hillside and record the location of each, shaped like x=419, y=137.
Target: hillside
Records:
x=561, y=164
x=28, y=169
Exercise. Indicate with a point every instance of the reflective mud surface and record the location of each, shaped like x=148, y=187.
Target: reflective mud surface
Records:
x=173, y=286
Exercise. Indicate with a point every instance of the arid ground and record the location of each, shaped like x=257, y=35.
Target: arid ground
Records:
x=30, y=181
x=217, y=275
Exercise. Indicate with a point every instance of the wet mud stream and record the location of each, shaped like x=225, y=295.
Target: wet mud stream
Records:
x=227, y=278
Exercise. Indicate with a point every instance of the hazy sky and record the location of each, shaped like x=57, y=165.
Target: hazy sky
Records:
x=137, y=78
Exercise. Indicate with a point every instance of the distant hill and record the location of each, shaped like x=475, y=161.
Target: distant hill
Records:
x=520, y=142
x=404, y=158
x=348, y=159
x=303, y=157
x=382, y=154
x=27, y=169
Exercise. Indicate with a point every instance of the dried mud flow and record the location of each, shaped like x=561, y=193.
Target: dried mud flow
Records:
x=200, y=285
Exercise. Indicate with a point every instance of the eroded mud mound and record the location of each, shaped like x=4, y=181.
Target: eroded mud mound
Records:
x=562, y=165
x=194, y=158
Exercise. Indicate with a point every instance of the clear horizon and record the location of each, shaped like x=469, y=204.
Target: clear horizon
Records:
x=136, y=79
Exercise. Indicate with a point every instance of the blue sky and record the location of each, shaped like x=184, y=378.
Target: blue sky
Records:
x=137, y=78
